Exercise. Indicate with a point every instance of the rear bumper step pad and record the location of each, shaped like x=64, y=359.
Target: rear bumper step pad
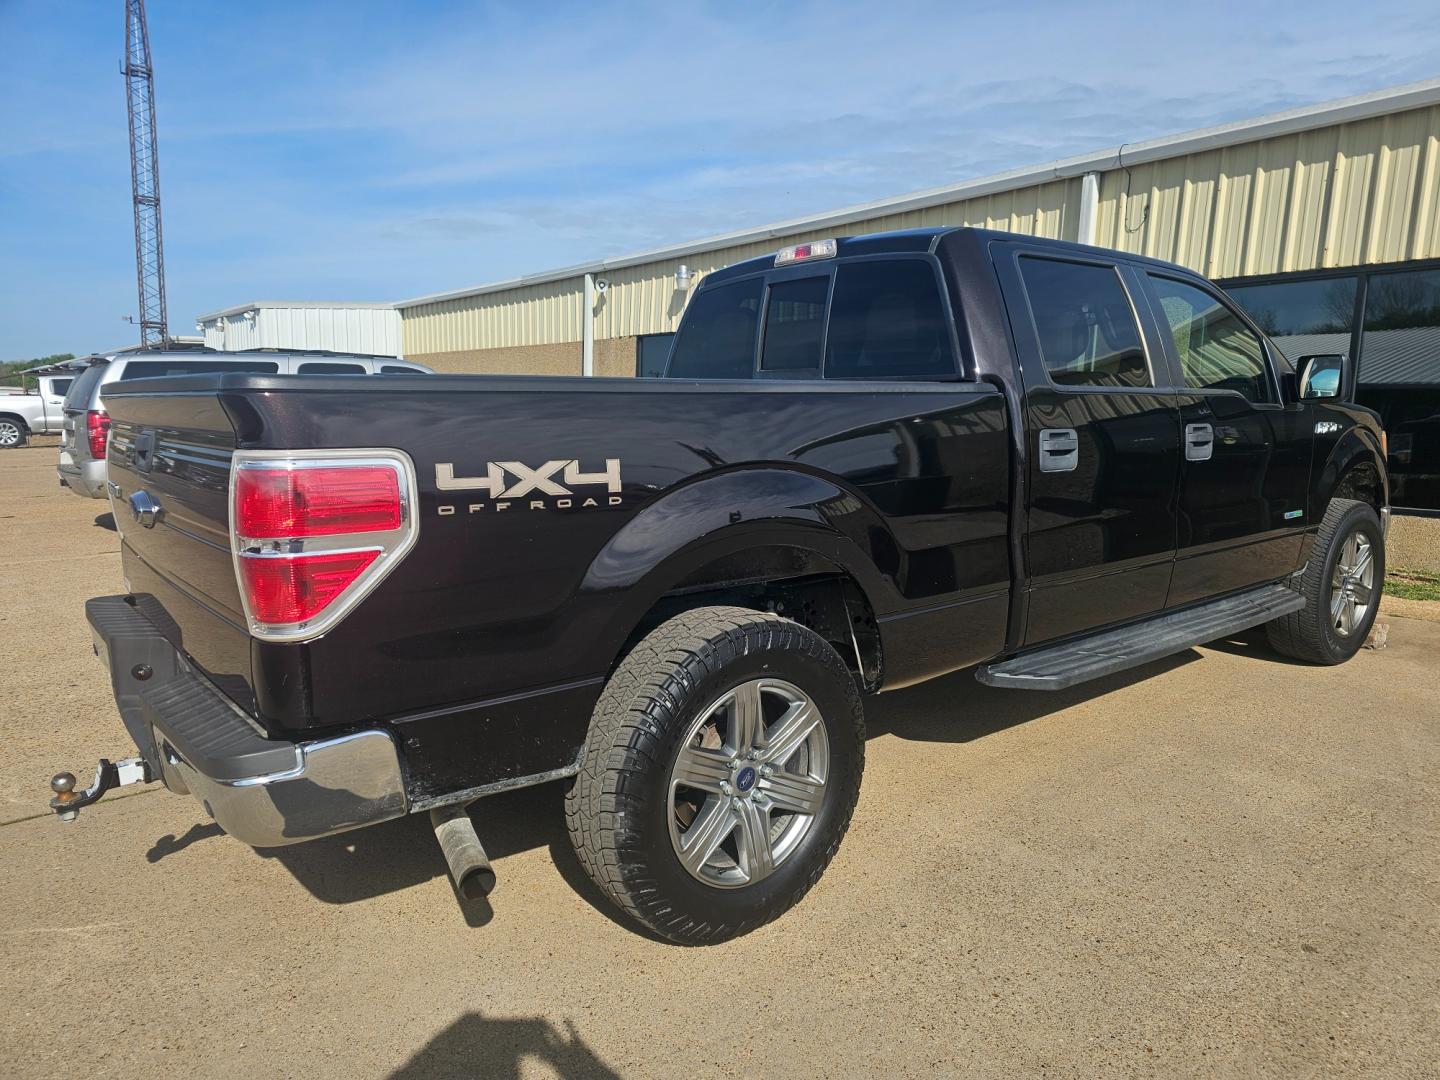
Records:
x=1061, y=666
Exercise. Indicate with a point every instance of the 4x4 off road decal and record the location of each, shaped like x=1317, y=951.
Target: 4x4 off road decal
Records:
x=513, y=484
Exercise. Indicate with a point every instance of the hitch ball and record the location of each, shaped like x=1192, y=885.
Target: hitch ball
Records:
x=63, y=784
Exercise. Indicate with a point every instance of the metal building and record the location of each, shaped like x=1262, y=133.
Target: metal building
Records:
x=372, y=329
x=1323, y=221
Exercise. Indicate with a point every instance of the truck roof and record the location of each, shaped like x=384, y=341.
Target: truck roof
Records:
x=913, y=240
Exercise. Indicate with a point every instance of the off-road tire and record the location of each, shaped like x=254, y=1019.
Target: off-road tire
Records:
x=1308, y=634
x=619, y=805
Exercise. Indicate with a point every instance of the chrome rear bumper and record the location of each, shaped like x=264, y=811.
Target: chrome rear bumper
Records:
x=336, y=785
x=266, y=792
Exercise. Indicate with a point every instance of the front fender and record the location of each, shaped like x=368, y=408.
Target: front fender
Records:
x=1356, y=446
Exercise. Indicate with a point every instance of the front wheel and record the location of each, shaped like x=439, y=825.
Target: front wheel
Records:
x=12, y=433
x=1341, y=585
x=720, y=774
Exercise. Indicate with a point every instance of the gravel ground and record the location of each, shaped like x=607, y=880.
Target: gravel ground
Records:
x=1219, y=865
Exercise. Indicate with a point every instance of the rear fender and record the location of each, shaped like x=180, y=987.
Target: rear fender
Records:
x=726, y=514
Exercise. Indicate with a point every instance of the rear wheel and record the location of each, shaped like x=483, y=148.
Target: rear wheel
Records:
x=12, y=433
x=1341, y=585
x=720, y=775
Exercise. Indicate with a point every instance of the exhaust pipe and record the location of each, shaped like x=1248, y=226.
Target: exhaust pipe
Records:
x=470, y=868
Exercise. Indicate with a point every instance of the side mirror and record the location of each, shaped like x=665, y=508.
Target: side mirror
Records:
x=1322, y=376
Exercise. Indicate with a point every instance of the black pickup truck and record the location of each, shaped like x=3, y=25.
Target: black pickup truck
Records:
x=873, y=461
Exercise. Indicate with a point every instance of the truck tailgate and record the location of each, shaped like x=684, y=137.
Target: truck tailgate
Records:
x=173, y=454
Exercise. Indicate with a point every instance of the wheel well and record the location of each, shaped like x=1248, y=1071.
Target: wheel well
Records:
x=1361, y=482
x=18, y=419
x=793, y=582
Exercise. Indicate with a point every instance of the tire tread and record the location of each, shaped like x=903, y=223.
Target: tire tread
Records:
x=1301, y=634
x=637, y=708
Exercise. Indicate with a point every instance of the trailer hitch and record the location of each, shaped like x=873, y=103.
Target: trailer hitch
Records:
x=109, y=775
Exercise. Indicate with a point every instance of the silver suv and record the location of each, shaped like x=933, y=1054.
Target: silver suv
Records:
x=86, y=424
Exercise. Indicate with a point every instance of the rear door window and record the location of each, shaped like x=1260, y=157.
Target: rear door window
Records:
x=887, y=321
x=158, y=369
x=717, y=338
x=400, y=369
x=1085, y=325
x=60, y=387
x=327, y=367
x=795, y=326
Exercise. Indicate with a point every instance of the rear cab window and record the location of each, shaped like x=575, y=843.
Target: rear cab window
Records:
x=795, y=326
x=867, y=318
x=888, y=321
x=717, y=338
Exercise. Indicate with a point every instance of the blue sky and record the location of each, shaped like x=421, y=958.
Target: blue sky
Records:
x=377, y=151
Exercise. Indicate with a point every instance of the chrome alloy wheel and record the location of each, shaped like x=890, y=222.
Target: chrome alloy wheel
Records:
x=748, y=782
x=1352, y=585
x=9, y=433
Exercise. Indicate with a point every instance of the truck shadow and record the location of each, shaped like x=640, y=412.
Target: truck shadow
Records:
x=932, y=711
x=494, y=1049
x=402, y=854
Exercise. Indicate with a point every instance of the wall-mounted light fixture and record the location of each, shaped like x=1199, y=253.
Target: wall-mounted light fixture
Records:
x=682, y=277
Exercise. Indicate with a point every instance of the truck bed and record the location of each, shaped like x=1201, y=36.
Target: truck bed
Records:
x=513, y=608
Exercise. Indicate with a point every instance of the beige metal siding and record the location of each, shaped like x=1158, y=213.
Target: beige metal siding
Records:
x=542, y=314
x=1363, y=192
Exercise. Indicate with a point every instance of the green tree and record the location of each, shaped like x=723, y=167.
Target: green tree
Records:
x=10, y=369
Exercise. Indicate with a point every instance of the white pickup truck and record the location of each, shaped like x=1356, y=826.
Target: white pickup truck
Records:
x=36, y=411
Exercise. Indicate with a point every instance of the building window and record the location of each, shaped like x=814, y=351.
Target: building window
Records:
x=1398, y=355
x=1400, y=379
x=652, y=352
x=1303, y=318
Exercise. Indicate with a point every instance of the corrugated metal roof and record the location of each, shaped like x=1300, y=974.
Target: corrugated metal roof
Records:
x=1387, y=357
x=1410, y=356
x=256, y=305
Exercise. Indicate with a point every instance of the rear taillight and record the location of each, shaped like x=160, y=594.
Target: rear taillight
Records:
x=314, y=533
x=296, y=588
x=324, y=501
x=97, y=428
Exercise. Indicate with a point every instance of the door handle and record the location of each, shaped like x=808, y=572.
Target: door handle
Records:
x=1059, y=450
x=1199, y=442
